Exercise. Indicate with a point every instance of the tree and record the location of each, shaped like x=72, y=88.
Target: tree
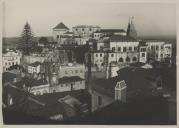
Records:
x=26, y=39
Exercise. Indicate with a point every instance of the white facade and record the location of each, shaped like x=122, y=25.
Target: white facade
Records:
x=72, y=70
x=40, y=90
x=167, y=50
x=143, y=54
x=97, y=35
x=10, y=58
x=156, y=48
x=61, y=87
x=33, y=69
x=68, y=86
x=85, y=31
x=34, y=58
x=124, y=46
x=57, y=33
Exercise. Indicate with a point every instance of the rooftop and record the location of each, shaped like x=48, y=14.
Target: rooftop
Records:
x=61, y=26
x=86, y=26
x=112, y=30
x=68, y=32
x=35, y=64
x=137, y=81
x=120, y=38
x=69, y=79
x=149, y=111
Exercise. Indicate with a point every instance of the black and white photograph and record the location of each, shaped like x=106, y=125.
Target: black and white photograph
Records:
x=89, y=62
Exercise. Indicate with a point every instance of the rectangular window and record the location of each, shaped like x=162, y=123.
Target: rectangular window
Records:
x=119, y=49
x=156, y=47
x=124, y=49
x=112, y=55
x=101, y=55
x=162, y=47
x=143, y=54
x=81, y=71
x=113, y=48
x=135, y=48
x=99, y=100
x=152, y=47
x=96, y=55
x=130, y=48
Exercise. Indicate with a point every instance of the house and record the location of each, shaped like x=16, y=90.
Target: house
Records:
x=142, y=52
x=68, y=84
x=84, y=31
x=34, y=67
x=131, y=85
x=10, y=58
x=120, y=49
x=70, y=40
x=28, y=59
x=135, y=113
x=71, y=69
x=155, y=49
x=59, y=30
x=48, y=107
x=105, y=91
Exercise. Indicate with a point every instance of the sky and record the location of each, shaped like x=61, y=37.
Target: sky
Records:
x=150, y=19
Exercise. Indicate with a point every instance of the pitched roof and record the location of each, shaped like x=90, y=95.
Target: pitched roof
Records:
x=112, y=30
x=34, y=106
x=68, y=33
x=69, y=79
x=120, y=38
x=35, y=64
x=136, y=79
x=149, y=111
x=61, y=26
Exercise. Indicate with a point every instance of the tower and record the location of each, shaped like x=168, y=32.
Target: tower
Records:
x=131, y=31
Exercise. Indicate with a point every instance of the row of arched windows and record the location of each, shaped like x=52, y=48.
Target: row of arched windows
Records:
x=128, y=59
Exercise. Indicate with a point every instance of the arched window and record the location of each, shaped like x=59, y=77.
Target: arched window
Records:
x=128, y=59
x=134, y=59
x=121, y=59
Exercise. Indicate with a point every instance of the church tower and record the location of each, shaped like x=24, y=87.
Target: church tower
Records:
x=131, y=31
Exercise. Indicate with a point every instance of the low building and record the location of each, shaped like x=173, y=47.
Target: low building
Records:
x=167, y=50
x=59, y=30
x=71, y=69
x=41, y=89
x=130, y=85
x=34, y=67
x=106, y=91
x=85, y=31
x=155, y=49
x=28, y=59
x=56, y=107
x=68, y=84
x=10, y=58
x=69, y=40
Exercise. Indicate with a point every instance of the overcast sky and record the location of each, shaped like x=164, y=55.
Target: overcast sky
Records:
x=150, y=18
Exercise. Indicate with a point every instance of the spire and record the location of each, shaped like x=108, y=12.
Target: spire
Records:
x=131, y=28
